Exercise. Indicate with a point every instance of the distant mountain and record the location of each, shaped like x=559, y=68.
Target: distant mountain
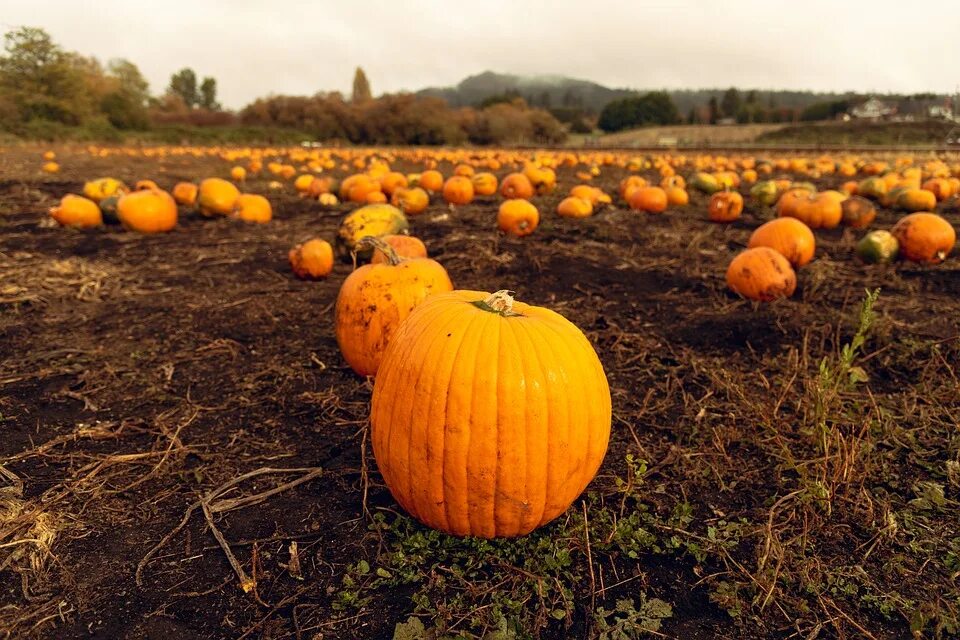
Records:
x=541, y=91
x=554, y=92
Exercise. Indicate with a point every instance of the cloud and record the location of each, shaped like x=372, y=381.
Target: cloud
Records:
x=255, y=48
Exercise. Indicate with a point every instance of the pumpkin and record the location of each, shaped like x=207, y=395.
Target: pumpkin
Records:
x=410, y=200
x=484, y=184
x=77, y=211
x=302, y=184
x=328, y=200
x=878, y=246
x=472, y=420
x=591, y=194
x=217, y=197
x=820, y=210
x=939, y=187
x=49, y=155
x=629, y=185
x=391, y=181
x=147, y=211
x=543, y=179
x=185, y=193
x=50, y=167
x=516, y=185
x=431, y=180
x=101, y=188
x=518, y=217
x=673, y=181
x=765, y=192
x=788, y=236
x=924, y=237
x=239, y=174
x=375, y=197
x=725, y=206
x=464, y=170
x=913, y=200
x=705, y=183
x=677, y=196
x=649, y=199
x=458, y=190
x=574, y=207
x=761, y=273
x=252, y=207
x=406, y=247
x=372, y=220
x=376, y=298
x=141, y=185
x=311, y=260
x=874, y=188
x=857, y=212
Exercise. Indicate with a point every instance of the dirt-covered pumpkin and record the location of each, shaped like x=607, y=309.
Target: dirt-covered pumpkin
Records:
x=924, y=237
x=217, y=197
x=311, y=260
x=406, y=247
x=376, y=298
x=489, y=416
x=788, y=236
x=518, y=217
x=77, y=211
x=725, y=206
x=372, y=220
x=147, y=211
x=857, y=212
x=761, y=273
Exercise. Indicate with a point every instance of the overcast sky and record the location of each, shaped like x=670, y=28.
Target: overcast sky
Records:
x=255, y=48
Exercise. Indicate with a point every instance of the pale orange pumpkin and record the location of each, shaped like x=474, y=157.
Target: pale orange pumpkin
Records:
x=761, y=273
x=518, y=217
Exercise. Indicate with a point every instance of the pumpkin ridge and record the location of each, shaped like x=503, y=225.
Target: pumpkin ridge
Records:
x=545, y=480
x=448, y=377
x=415, y=395
x=384, y=404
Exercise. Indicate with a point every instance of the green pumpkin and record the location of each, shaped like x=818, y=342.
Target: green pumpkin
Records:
x=108, y=209
x=372, y=220
x=765, y=193
x=706, y=183
x=878, y=246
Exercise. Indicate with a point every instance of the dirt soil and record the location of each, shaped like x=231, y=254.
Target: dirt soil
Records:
x=140, y=373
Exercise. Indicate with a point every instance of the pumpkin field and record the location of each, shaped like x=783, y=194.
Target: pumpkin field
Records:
x=627, y=394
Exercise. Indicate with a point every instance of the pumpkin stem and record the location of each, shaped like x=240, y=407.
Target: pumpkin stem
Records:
x=370, y=242
x=500, y=302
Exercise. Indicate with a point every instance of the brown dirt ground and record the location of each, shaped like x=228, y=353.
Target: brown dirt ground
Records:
x=138, y=373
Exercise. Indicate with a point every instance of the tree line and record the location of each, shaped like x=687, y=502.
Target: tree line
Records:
x=43, y=87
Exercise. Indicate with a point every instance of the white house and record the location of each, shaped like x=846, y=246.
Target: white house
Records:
x=872, y=109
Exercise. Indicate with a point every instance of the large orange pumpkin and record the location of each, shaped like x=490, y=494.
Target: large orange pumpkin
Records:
x=761, y=273
x=147, y=211
x=790, y=237
x=517, y=217
x=473, y=424
x=376, y=298
x=431, y=180
x=311, y=260
x=77, y=211
x=924, y=237
x=217, y=197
